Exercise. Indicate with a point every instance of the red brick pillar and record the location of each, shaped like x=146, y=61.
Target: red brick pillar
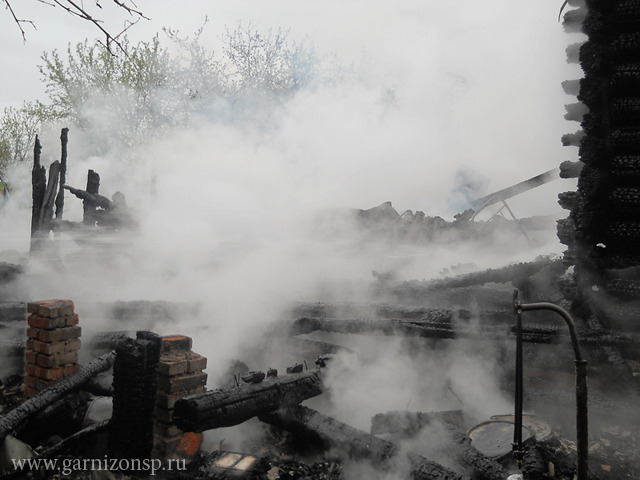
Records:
x=180, y=373
x=52, y=346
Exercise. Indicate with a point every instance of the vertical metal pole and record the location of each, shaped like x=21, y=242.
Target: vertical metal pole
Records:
x=582, y=424
x=518, y=452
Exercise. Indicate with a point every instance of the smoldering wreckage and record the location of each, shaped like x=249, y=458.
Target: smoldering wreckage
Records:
x=142, y=398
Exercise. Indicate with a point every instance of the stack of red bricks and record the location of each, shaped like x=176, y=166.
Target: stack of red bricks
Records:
x=53, y=344
x=180, y=373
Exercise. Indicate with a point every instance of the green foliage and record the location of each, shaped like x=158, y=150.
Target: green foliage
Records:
x=123, y=99
x=18, y=129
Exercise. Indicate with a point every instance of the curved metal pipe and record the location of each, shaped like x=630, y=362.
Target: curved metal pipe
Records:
x=582, y=417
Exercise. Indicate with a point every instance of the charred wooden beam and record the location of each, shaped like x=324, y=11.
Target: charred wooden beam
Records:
x=39, y=185
x=48, y=201
x=93, y=187
x=225, y=408
x=516, y=189
x=356, y=443
x=130, y=432
x=91, y=198
x=18, y=415
x=64, y=140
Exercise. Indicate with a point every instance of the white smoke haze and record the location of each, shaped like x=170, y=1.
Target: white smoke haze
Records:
x=232, y=214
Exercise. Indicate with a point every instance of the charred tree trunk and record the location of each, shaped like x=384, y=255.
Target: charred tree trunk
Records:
x=39, y=185
x=18, y=415
x=356, y=443
x=64, y=139
x=225, y=408
x=93, y=187
x=48, y=202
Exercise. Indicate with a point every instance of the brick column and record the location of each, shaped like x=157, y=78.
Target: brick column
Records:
x=52, y=346
x=180, y=373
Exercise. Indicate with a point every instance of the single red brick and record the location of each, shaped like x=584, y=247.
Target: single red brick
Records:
x=197, y=362
x=57, y=359
x=168, y=400
x=36, y=321
x=30, y=357
x=176, y=342
x=55, y=308
x=32, y=307
x=69, y=369
x=181, y=383
x=189, y=445
x=72, y=320
x=173, y=366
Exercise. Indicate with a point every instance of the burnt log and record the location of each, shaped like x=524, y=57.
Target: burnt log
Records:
x=89, y=209
x=48, y=201
x=357, y=444
x=225, y=408
x=92, y=198
x=18, y=415
x=64, y=140
x=39, y=185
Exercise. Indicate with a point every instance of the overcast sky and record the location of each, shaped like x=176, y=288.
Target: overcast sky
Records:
x=483, y=78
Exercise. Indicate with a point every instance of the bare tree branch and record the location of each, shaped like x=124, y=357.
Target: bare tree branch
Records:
x=18, y=21
x=78, y=10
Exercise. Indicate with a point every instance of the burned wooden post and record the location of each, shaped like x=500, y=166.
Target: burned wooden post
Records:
x=89, y=208
x=356, y=443
x=225, y=408
x=48, y=201
x=39, y=185
x=64, y=139
x=130, y=432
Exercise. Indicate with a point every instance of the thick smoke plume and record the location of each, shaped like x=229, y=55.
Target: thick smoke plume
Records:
x=230, y=210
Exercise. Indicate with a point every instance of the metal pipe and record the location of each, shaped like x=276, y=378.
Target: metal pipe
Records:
x=582, y=416
x=518, y=451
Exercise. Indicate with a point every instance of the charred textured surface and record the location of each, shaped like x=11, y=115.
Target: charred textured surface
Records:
x=603, y=228
x=39, y=185
x=17, y=416
x=64, y=140
x=225, y=408
x=355, y=443
x=89, y=208
x=130, y=432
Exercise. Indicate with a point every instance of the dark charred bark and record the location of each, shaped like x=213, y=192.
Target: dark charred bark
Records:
x=91, y=198
x=18, y=415
x=355, y=443
x=225, y=408
x=48, y=201
x=93, y=187
x=39, y=185
x=134, y=396
x=64, y=140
